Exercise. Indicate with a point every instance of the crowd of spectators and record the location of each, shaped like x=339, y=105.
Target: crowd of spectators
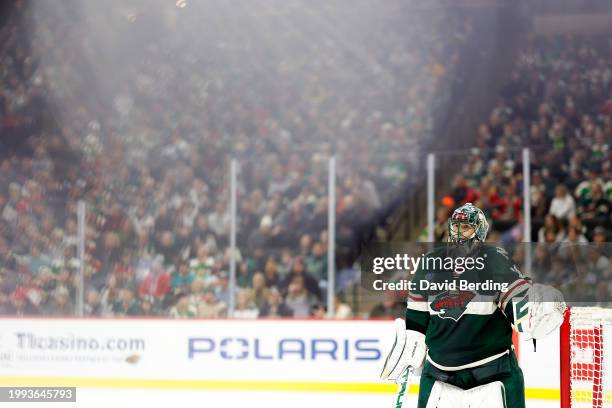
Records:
x=140, y=122
x=558, y=103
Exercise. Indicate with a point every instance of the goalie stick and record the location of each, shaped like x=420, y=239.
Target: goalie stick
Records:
x=402, y=392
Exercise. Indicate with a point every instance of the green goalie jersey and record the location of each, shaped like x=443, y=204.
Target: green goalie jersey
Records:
x=465, y=314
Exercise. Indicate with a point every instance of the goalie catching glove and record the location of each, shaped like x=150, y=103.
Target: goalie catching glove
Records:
x=408, y=350
x=539, y=312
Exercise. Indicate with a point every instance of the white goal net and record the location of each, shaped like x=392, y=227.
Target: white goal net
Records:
x=586, y=353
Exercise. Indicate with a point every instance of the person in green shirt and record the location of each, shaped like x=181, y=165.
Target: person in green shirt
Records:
x=183, y=309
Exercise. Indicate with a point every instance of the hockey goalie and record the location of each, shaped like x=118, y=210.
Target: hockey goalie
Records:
x=460, y=343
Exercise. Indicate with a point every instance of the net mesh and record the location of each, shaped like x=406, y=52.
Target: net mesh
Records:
x=590, y=353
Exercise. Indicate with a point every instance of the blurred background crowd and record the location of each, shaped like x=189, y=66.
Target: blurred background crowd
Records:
x=558, y=102
x=141, y=125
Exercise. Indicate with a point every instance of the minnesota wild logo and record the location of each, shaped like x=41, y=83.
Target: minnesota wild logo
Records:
x=451, y=304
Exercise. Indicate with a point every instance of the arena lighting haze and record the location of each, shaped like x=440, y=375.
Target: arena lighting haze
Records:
x=124, y=32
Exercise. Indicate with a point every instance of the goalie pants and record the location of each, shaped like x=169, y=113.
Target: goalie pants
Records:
x=504, y=369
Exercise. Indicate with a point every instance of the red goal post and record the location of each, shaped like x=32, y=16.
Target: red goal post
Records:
x=586, y=353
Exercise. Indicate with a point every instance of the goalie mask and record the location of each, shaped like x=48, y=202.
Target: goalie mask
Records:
x=467, y=224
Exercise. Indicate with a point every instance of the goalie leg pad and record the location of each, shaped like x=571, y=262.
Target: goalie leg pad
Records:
x=445, y=395
x=492, y=395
